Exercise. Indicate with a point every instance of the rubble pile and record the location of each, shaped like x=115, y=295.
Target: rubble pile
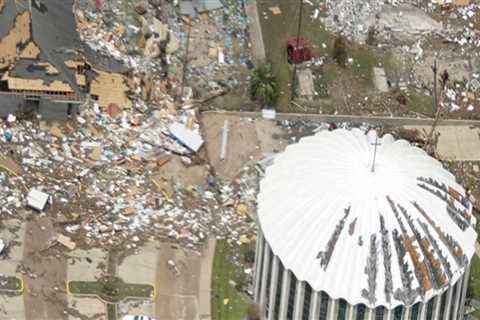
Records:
x=101, y=175
x=153, y=40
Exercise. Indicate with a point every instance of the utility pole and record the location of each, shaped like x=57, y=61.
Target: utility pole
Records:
x=435, y=103
x=294, y=78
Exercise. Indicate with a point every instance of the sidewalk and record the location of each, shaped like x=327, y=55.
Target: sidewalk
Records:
x=461, y=143
x=255, y=31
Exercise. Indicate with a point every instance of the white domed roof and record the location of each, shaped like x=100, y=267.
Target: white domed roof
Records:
x=390, y=237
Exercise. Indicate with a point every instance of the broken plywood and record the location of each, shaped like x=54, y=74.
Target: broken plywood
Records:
x=80, y=79
x=50, y=69
x=73, y=64
x=66, y=241
x=31, y=51
x=110, y=88
x=20, y=34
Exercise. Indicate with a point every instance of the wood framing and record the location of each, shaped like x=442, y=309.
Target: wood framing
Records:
x=38, y=85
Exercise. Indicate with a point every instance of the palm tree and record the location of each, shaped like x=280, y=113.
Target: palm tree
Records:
x=263, y=85
x=340, y=51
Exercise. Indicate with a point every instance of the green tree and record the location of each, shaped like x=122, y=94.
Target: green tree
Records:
x=263, y=85
x=340, y=51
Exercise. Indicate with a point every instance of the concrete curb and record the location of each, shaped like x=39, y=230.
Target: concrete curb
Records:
x=96, y=296
x=398, y=121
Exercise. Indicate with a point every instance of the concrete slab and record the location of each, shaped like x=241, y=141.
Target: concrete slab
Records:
x=12, y=308
x=405, y=21
x=205, y=281
x=139, y=268
x=248, y=142
x=137, y=307
x=12, y=233
x=456, y=142
x=305, y=88
x=86, y=308
x=86, y=265
x=43, y=296
x=380, y=79
x=178, y=292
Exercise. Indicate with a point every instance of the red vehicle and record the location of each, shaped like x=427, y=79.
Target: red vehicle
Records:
x=298, y=50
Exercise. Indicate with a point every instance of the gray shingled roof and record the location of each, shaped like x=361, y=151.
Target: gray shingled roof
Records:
x=55, y=32
x=8, y=15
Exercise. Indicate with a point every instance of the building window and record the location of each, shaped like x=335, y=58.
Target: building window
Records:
x=430, y=309
x=323, y=306
x=443, y=302
x=306, y=302
x=276, y=310
x=452, y=303
x=414, y=314
x=397, y=313
x=342, y=309
x=361, y=308
x=269, y=278
x=291, y=296
x=379, y=313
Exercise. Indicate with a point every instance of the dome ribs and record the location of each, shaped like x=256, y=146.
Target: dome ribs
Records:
x=371, y=271
x=443, y=259
x=393, y=237
x=420, y=268
x=455, y=249
x=457, y=216
x=433, y=265
x=387, y=259
x=458, y=196
x=325, y=256
x=407, y=295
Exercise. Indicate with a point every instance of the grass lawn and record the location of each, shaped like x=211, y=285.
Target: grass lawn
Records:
x=475, y=277
x=112, y=311
x=111, y=289
x=11, y=284
x=278, y=29
x=224, y=271
x=420, y=103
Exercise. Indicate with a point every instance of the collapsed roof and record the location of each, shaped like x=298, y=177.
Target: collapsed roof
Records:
x=40, y=50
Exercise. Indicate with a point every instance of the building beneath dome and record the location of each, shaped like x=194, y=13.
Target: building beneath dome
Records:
x=358, y=227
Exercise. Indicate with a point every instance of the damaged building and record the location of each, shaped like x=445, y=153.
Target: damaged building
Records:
x=45, y=67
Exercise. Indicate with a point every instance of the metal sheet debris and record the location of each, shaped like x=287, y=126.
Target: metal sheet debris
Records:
x=37, y=199
x=191, y=139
